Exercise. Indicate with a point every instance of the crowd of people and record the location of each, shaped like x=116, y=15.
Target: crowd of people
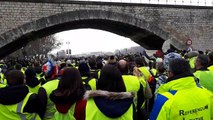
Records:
x=167, y=86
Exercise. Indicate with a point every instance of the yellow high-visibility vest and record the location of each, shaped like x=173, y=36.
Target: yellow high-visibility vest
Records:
x=50, y=109
x=15, y=112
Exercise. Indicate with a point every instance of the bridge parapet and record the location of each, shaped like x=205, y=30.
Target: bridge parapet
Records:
x=158, y=2
x=177, y=23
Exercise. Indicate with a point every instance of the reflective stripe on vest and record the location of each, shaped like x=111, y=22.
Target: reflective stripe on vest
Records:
x=99, y=74
x=20, y=108
x=2, y=78
x=189, y=103
x=15, y=111
x=23, y=70
x=3, y=82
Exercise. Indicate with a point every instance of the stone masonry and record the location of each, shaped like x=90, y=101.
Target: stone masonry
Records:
x=175, y=23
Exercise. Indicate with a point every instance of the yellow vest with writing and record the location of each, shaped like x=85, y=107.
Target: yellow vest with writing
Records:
x=190, y=102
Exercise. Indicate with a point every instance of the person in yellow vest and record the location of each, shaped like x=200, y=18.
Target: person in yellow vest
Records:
x=100, y=65
x=149, y=79
x=109, y=101
x=191, y=57
x=182, y=98
x=152, y=68
x=16, y=102
x=3, y=81
x=45, y=91
x=3, y=68
x=132, y=84
x=31, y=80
x=69, y=91
x=93, y=67
x=18, y=66
x=39, y=73
x=88, y=81
x=143, y=67
x=47, y=88
x=205, y=77
x=210, y=61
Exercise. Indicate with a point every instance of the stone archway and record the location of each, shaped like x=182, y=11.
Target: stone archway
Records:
x=142, y=32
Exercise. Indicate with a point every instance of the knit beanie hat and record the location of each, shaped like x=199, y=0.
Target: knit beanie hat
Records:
x=168, y=58
x=30, y=72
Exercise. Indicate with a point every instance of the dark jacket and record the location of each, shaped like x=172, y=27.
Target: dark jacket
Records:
x=14, y=94
x=111, y=104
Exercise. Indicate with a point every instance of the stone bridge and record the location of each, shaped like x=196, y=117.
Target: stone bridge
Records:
x=22, y=21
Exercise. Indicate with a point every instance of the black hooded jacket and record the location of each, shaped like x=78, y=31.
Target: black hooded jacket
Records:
x=14, y=94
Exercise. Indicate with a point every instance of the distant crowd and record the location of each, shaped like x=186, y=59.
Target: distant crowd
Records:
x=165, y=86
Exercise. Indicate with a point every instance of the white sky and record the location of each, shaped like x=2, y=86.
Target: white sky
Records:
x=92, y=40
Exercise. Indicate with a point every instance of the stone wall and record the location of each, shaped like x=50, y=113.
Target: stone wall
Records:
x=181, y=22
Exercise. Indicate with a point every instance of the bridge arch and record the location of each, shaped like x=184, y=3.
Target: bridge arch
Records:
x=140, y=31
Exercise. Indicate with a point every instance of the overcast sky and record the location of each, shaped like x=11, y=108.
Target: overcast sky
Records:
x=92, y=40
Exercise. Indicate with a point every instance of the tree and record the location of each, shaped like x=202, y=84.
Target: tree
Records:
x=39, y=47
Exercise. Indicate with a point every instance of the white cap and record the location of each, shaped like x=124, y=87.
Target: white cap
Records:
x=159, y=60
x=68, y=62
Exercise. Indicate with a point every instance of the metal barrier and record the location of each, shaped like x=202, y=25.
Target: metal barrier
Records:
x=166, y=2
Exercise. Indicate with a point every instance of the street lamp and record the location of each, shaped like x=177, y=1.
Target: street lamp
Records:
x=68, y=51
